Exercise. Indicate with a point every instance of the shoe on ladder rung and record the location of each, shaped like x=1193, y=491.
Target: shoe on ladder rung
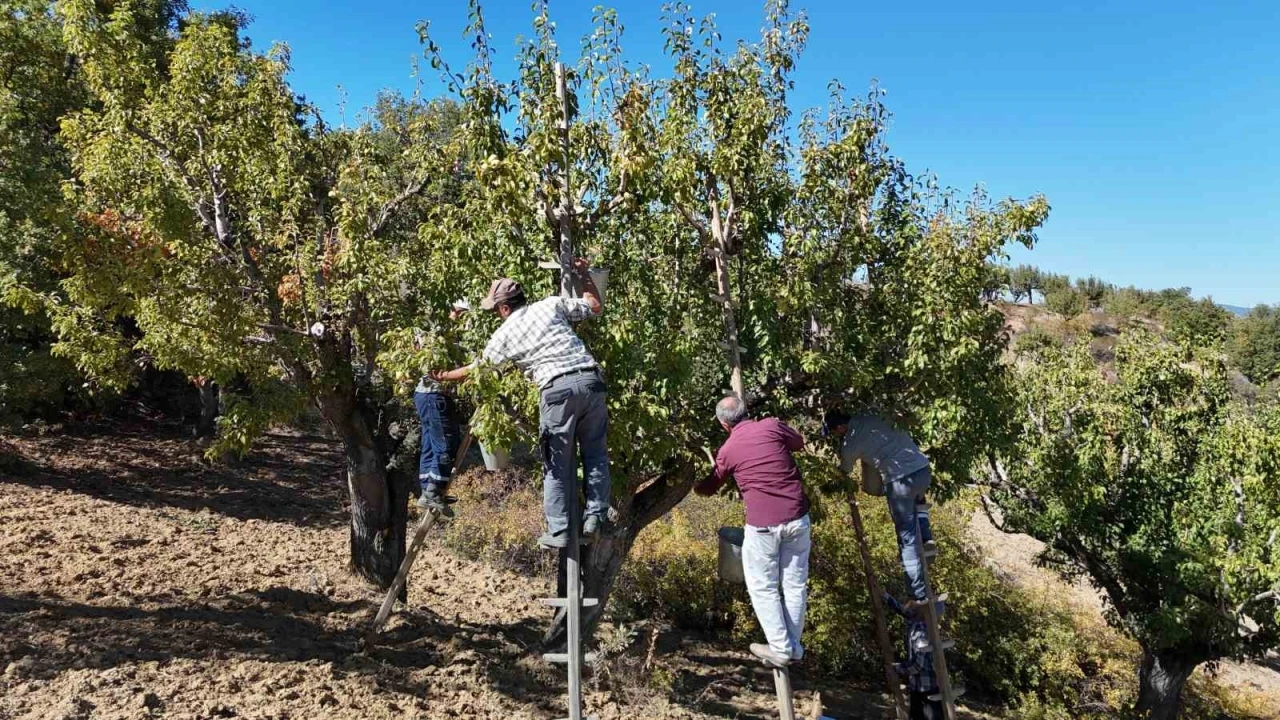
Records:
x=437, y=504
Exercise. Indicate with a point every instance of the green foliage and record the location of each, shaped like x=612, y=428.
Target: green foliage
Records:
x=1093, y=290
x=32, y=381
x=1061, y=297
x=1202, y=323
x=671, y=572
x=1254, y=344
x=1156, y=487
x=1036, y=339
x=39, y=85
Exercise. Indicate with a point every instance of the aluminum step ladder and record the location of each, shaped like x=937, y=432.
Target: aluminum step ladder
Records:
x=572, y=604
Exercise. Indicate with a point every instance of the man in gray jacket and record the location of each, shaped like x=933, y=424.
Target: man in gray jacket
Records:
x=906, y=475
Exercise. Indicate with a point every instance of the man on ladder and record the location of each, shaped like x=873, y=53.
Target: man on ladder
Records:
x=904, y=470
x=889, y=456
x=539, y=339
x=759, y=457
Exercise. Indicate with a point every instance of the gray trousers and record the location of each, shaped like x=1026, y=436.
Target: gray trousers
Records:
x=573, y=418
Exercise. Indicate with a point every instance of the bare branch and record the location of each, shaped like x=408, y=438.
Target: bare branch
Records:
x=990, y=513
x=282, y=329
x=389, y=210
x=698, y=223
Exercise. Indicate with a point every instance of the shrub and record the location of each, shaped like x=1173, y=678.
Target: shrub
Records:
x=1066, y=301
x=1036, y=338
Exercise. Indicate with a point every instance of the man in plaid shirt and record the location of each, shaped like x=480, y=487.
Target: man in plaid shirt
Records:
x=922, y=680
x=539, y=339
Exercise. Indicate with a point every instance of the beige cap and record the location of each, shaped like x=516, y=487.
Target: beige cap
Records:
x=501, y=291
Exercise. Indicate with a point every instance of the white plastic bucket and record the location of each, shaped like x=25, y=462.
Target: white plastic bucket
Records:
x=495, y=458
x=729, y=562
x=600, y=276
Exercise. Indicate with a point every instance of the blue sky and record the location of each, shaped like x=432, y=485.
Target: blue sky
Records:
x=1152, y=127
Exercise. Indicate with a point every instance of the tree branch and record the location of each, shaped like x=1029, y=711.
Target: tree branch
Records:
x=389, y=210
x=657, y=498
x=698, y=223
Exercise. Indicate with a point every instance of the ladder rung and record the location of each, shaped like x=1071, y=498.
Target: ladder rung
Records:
x=549, y=265
x=948, y=643
x=955, y=693
x=564, y=657
x=930, y=553
x=564, y=602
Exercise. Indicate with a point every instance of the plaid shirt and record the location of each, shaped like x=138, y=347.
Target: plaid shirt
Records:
x=918, y=668
x=539, y=340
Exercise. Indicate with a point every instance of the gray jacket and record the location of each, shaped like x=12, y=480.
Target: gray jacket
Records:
x=890, y=451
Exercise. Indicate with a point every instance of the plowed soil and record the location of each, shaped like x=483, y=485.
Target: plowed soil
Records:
x=138, y=581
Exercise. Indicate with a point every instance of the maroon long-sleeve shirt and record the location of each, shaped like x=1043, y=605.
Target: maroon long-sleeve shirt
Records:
x=758, y=456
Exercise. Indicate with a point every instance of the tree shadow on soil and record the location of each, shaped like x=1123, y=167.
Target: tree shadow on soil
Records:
x=289, y=478
x=506, y=655
x=276, y=625
x=279, y=624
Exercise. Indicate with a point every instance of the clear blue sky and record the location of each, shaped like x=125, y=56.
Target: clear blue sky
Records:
x=1153, y=127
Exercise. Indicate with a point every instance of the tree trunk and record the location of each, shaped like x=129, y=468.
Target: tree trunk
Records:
x=603, y=561
x=210, y=408
x=1160, y=682
x=725, y=298
x=379, y=497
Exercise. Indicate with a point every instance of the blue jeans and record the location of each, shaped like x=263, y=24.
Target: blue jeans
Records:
x=903, y=494
x=440, y=437
x=573, y=417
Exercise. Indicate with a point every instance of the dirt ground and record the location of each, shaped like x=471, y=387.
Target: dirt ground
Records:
x=137, y=581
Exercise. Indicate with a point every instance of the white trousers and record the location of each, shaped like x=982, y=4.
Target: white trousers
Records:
x=775, y=561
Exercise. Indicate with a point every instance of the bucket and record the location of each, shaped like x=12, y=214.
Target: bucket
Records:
x=729, y=563
x=495, y=458
x=600, y=276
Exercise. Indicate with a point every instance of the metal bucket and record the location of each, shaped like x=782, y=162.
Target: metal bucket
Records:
x=495, y=458
x=729, y=563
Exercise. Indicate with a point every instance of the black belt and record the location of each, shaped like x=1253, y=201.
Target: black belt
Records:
x=579, y=371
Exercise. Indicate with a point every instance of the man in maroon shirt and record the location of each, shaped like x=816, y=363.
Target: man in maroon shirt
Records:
x=775, y=546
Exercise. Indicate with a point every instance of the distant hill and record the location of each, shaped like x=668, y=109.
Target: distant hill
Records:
x=1235, y=309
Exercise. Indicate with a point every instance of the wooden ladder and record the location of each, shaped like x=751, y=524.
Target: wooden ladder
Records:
x=947, y=693
x=429, y=520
